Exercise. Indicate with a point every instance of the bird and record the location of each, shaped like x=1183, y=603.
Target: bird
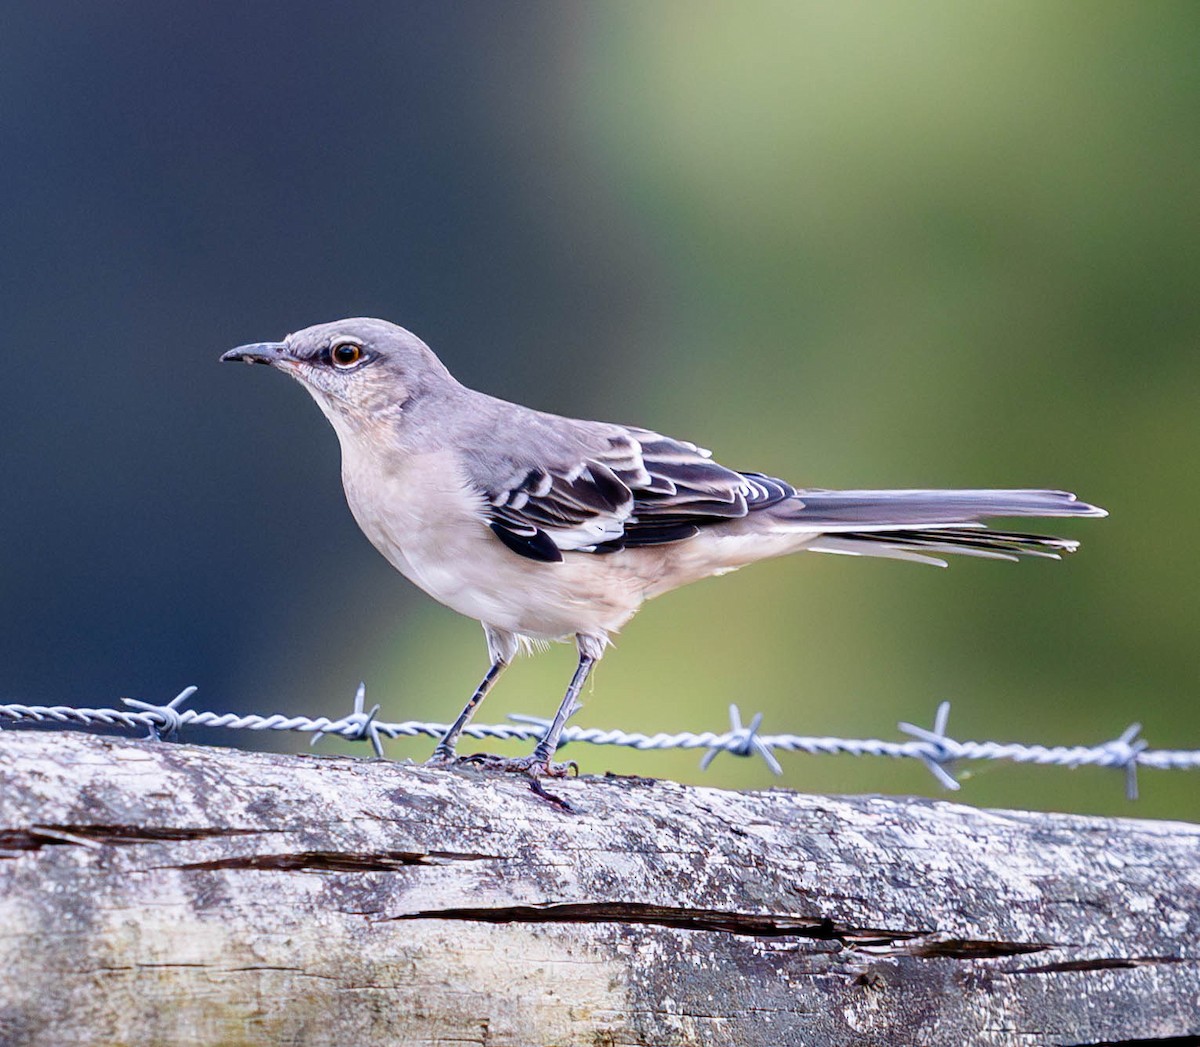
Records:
x=546, y=528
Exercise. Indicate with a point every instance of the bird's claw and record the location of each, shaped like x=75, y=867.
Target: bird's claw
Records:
x=532, y=766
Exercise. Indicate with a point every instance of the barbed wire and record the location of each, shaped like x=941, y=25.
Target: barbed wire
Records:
x=933, y=747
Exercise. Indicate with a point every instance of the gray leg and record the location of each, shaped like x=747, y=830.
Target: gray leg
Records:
x=591, y=649
x=445, y=748
x=544, y=753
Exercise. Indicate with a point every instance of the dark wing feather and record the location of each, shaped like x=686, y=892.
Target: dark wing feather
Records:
x=527, y=541
x=632, y=488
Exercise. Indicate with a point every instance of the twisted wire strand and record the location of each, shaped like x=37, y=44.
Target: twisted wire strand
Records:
x=935, y=748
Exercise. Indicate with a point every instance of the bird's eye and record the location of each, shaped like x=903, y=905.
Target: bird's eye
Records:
x=346, y=355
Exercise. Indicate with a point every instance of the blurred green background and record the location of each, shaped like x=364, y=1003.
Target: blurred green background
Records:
x=896, y=244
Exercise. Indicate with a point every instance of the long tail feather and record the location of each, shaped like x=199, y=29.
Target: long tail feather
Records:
x=922, y=546
x=923, y=526
x=881, y=510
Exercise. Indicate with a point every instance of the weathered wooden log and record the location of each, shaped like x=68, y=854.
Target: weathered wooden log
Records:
x=172, y=894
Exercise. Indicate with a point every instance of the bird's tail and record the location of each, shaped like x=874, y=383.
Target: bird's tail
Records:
x=922, y=525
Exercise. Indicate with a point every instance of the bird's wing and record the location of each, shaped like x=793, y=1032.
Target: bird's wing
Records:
x=610, y=487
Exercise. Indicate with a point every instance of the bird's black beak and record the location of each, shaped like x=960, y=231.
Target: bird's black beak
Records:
x=258, y=353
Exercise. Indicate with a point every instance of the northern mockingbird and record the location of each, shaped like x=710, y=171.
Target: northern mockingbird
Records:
x=547, y=528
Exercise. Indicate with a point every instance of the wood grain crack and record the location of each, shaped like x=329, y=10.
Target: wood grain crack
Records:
x=762, y=925
x=336, y=861
x=35, y=837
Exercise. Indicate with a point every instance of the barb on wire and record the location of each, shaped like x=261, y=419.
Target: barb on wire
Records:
x=1125, y=750
x=938, y=751
x=164, y=720
x=742, y=741
x=933, y=747
x=359, y=724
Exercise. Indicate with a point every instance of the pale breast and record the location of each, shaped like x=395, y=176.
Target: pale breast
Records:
x=421, y=514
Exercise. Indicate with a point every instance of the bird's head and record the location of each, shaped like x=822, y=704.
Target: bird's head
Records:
x=360, y=371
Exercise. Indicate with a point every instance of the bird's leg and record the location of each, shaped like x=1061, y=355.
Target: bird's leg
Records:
x=544, y=752
x=445, y=748
x=539, y=763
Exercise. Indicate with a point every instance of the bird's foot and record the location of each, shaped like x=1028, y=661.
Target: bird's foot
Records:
x=533, y=766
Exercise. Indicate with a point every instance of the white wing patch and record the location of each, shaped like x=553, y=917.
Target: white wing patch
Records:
x=641, y=488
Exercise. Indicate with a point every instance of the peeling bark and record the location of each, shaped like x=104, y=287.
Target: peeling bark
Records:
x=154, y=893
